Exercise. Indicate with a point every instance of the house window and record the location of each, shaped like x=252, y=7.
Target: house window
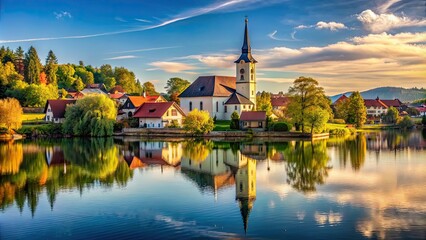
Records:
x=260, y=124
x=174, y=112
x=244, y=106
x=201, y=105
x=48, y=118
x=252, y=92
x=242, y=77
x=236, y=107
x=217, y=106
x=190, y=106
x=167, y=113
x=226, y=108
x=241, y=187
x=48, y=110
x=159, y=125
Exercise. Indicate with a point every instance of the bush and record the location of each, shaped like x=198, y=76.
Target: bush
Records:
x=198, y=122
x=424, y=120
x=338, y=121
x=281, y=127
x=47, y=130
x=174, y=124
x=118, y=126
x=235, y=121
x=134, y=122
x=406, y=123
x=339, y=131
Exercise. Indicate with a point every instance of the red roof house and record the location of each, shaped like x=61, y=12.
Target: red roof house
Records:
x=253, y=120
x=159, y=114
x=55, y=109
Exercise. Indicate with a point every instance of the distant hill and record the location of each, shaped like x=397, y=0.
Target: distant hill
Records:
x=403, y=94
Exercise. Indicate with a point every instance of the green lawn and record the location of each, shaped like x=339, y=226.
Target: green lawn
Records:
x=32, y=117
x=336, y=125
x=222, y=125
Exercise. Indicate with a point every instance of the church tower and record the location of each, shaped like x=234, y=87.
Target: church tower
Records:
x=246, y=70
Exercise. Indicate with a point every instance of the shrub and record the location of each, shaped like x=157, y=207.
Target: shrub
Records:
x=235, y=121
x=134, y=122
x=281, y=127
x=174, y=124
x=339, y=131
x=406, y=123
x=198, y=122
x=118, y=126
x=338, y=121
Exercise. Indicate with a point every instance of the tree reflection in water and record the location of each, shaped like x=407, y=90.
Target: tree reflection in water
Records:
x=307, y=165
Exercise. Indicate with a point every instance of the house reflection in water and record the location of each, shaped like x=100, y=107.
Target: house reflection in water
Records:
x=55, y=157
x=223, y=168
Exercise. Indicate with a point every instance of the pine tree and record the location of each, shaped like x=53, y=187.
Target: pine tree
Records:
x=51, y=68
x=32, y=66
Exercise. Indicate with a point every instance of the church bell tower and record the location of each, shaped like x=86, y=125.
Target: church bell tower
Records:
x=246, y=70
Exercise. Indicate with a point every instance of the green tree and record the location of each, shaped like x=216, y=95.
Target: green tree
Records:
x=149, y=89
x=10, y=113
x=263, y=103
x=91, y=116
x=109, y=82
x=306, y=96
x=176, y=86
x=406, y=123
x=317, y=119
x=391, y=116
x=198, y=122
x=235, y=120
x=19, y=53
x=86, y=76
x=357, y=112
x=127, y=80
x=78, y=84
x=8, y=75
x=412, y=111
x=342, y=109
x=37, y=95
x=424, y=120
x=32, y=66
x=51, y=68
x=65, y=76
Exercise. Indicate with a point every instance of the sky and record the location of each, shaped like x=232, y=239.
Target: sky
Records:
x=345, y=45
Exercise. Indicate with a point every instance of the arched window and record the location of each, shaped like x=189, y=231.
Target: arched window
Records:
x=217, y=106
x=190, y=106
x=241, y=186
x=242, y=77
x=201, y=105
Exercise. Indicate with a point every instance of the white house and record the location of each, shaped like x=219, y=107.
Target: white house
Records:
x=132, y=103
x=222, y=95
x=159, y=114
x=55, y=110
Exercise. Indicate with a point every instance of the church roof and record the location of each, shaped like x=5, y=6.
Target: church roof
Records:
x=237, y=98
x=246, y=49
x=211, y=86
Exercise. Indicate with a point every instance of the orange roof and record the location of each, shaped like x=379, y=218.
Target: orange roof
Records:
x=116, y=95
x=137, y=101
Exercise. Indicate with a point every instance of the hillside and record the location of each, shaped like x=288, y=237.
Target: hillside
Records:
x=403, y=94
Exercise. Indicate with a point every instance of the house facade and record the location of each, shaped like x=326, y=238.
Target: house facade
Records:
x=55, y=110
x=253, y=120
x=159, y=114
x=375, y=107
x=222, y=95
x=132, y=103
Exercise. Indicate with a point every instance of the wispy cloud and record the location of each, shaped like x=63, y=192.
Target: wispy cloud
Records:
x=224, y=5
x=332, y=26
x=62, y=14
x=120, y=19
x=146, y=49
x=378, y=23
x=142, y=20
x=121, y=57
x=386, y=5
x=273, y=36
x=173, y=67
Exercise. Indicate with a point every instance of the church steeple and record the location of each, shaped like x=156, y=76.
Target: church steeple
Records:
x=246, y=49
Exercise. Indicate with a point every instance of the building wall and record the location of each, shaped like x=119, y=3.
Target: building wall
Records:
x=252, y=124
x=213, y=164
x=162, y=122
x=372, y=111
x=49, y=116
x=246, y=87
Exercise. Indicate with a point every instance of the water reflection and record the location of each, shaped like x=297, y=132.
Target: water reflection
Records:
x=339, y=170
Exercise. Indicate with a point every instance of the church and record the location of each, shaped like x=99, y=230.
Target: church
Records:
x=222, y=95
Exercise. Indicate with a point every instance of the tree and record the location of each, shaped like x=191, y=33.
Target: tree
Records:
x=32, y=66
x=86, y=76
x=406, y=123
x=51, y=67
x=37, y=95
x=391, y=116
x=149, y=89
x=198, y=122
x=412, y=111
x=8, y=75
x=317, y=119
x=306, y=96
x=176, y=86
x=342, y=109
x=19, y=53
x=91, y=116
x=357, y=112
x=127, y=80
x=424, y=120
x=263, y=103
x=10, y=113
x=65, y=76
x=235, y=120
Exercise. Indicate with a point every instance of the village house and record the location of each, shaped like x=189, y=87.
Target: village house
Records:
x=222, y=95
x=99, y=86
x=375, y=107
x=159, y=114
x=253, y=120
x=134, y=102
x=119, y=98
x=279, y=101
x=55, y=110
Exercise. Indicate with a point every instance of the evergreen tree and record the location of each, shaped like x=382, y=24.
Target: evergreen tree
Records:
x=19, y=53
x=51, y=68
x=32, y=66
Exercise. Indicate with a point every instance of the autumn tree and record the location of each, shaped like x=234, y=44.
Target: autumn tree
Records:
x=306, y=97
x=149, y=89
x=357, y=112
x=32, y=66
x=10, y=113
x=263, y=103
x=51, y=68
x=198, y=122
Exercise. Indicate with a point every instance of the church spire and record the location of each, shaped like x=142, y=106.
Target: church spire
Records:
x=246, y=49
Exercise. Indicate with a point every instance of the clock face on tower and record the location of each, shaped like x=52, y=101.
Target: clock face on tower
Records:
x=242, y=71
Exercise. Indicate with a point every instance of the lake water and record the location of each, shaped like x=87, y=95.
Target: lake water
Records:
x=368, y=186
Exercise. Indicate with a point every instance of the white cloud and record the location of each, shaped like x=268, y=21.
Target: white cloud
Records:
x=120, y=19
x=173, y=67
x=384, y=7
x=333, y=26
x=62, y=14
x=378, y=23
x=142, y=20
x=273, y=36
x=302, y=27
x=121, y=57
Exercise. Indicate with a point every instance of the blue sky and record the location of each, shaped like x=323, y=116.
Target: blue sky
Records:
x=345, y=45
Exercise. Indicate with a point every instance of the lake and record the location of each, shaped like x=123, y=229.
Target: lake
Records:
x=372, y=185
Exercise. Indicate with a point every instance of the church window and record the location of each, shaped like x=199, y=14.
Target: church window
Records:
x=242, y=77
x=217, y=106
x=236, y=107
x=252, y=70
x=201, y=105
x=252, y=77
x=226, y=108
x=244, y=106
x=190, y=106
x=241, y=186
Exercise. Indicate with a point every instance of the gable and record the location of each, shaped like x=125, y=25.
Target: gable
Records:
x=210, y=86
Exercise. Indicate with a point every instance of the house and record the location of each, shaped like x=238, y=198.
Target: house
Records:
x=253, y=120
x=396, y=103
x=99, y=86
x=422, y=109
x=119, y=97
x=55, y=110
x=88, y=91
x=133, y=102
x=375, y=107
x=279, y=101
x=160, y=153
x=159, y=114
x=222, y=95
x=339, y=100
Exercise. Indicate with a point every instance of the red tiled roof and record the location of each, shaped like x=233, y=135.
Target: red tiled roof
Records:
x=116, y=95
x=58, y=106
x=394, y=103
x=340, y=99
x=218, y=86
x=279, y=101
x=253, y=116
x=374, y=103
x=137, y=101
x=155, y=109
